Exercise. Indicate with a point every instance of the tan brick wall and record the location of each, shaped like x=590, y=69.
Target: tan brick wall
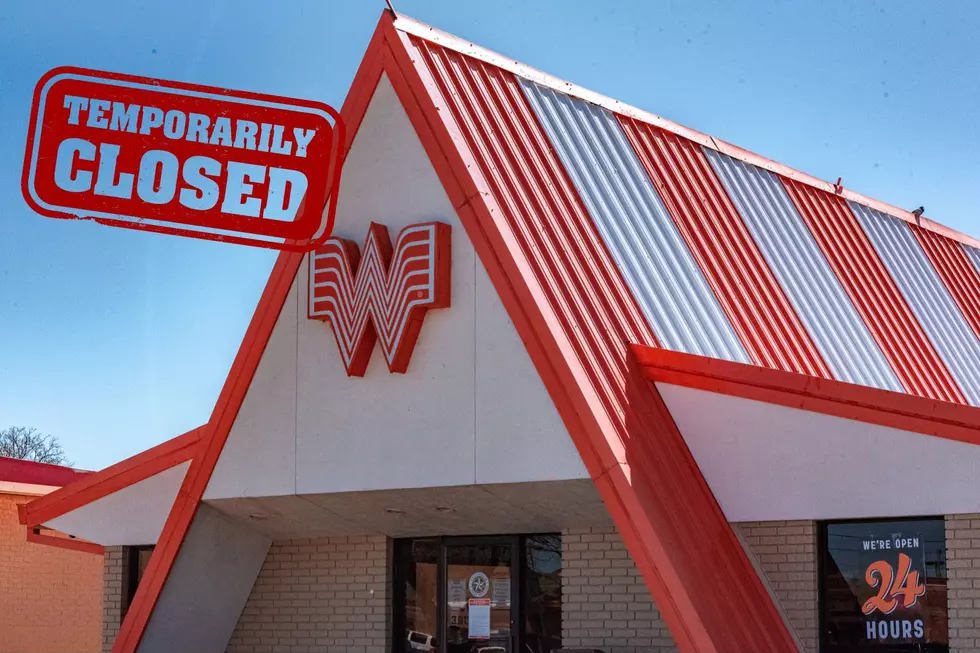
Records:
x=115, y=580
x=316, y=595
x=49, y=597
x=786, y=551
x=319, y=596
x=606, y=605
x=604, y=602
x=963, y=573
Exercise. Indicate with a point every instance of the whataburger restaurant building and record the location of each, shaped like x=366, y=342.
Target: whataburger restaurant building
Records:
x=569, y=375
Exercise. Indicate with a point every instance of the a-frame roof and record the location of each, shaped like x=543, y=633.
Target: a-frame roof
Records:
x=604, y=227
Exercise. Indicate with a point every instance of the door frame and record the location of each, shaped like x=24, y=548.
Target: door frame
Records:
x=442, y=602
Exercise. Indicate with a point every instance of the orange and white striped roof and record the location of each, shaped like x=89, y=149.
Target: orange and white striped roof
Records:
x=723, y=253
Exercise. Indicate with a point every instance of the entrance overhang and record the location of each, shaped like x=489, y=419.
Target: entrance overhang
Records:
x=421, y=512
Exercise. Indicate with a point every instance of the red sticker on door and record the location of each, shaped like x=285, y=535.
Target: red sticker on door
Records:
x=183, y=159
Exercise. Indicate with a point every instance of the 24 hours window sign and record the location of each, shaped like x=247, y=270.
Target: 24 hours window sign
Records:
x=183, y=159
x=894, y=607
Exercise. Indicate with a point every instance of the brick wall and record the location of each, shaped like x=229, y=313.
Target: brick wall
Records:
x=115, y=580
x=320, y=595
x=787, y=553
x=963, y=572
x=316, y=595
x=606, y=605
x=49, y=597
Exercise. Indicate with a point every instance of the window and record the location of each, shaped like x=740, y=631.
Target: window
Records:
x=883, y=586
x=542, y=593
x=138, y=559
x=418, y=562
x=479, y=594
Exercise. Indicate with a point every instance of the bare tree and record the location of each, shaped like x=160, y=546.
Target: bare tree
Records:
x=27, y=443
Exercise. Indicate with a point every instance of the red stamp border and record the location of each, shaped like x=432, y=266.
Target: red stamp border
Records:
x=132, y=222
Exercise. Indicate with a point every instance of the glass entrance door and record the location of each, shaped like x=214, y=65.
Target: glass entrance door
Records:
x=486, y=594
x=481, y=614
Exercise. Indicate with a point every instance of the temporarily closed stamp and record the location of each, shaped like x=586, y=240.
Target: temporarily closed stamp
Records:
x=183, y=159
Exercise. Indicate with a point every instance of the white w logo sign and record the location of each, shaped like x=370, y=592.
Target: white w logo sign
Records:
x=380, y=294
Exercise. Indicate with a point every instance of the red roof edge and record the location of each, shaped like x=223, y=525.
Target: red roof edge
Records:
x=709, y=594
x=15, y=470
x=856, y=402
x=90, y=487
x=65, y=543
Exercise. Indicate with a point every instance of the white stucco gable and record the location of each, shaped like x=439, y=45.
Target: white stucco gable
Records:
x=133, y=515
x=471, y=408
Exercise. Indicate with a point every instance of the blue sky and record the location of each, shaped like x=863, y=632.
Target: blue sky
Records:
x=115, y=340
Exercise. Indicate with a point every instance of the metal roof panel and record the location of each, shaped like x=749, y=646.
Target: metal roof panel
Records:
x=639, y=233
x=547, y=247
x=927, y=296
x=960, y=276
x=427, y=32
x=735, y=269
x=807, y=278
x=873, y=292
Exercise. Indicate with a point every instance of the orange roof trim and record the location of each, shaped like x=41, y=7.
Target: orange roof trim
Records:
x=94, y=486
x=830, y=397
x=236, y=385
x=64, y=542
x=28, y=472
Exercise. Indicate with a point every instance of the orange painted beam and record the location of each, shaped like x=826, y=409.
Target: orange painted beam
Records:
x=569, y=303
x=65, y=543
x=92, y=487
x=857, y=402
x=234, y=389
x=29, y=472
x=206, y=456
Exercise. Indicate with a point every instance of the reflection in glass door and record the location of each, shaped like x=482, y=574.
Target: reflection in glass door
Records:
x=487, y=594
x=480, y=613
